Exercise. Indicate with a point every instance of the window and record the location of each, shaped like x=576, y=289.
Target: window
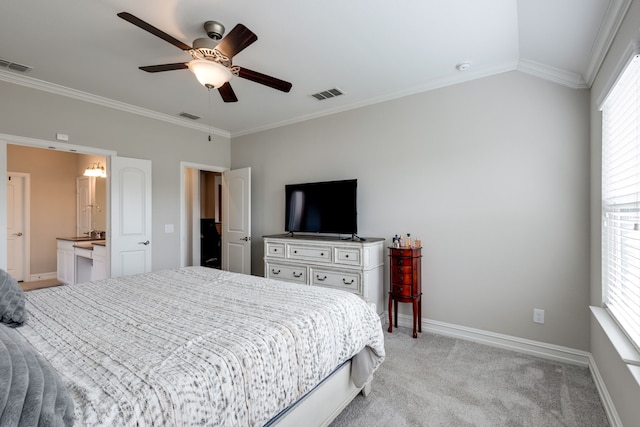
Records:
x=621, y=201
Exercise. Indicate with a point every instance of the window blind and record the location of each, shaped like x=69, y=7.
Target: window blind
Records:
x=621, y=201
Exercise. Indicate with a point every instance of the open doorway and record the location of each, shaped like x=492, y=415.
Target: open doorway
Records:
x=52, y=210
x=211, y=219
x=201, y=215
x=234, y=209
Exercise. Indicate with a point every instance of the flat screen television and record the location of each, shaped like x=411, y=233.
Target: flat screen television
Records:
x=322, y=207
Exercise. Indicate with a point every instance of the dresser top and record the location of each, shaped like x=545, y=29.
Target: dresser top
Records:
x=323, y=238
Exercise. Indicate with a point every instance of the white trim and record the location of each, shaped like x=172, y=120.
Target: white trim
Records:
x=26, y=218
x=55, y=145
x=619, y=340
x=556, y=75
x=431, y=85
x=629, y=53
x=183, y=203
x=609, y=28
x=105, y=102
x=605, y=397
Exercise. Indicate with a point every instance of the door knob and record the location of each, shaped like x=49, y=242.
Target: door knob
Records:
x=246, y=238
x=18, y=234
x=144, y=243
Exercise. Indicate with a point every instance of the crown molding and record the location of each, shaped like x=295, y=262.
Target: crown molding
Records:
x=606, y=33
x=563, y=77
x=42, y=85
x=431, y=85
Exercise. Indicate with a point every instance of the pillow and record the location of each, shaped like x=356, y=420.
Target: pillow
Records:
x=12, y=302
x=31, y=390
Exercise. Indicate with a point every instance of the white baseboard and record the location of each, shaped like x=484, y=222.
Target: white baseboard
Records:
x=521, y=345
x=43, y=276
x=536, y=348
x=605, y=397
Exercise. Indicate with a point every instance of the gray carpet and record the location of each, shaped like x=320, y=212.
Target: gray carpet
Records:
x=440, y=381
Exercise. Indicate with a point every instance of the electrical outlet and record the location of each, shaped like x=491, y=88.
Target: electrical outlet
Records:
x=538, y=315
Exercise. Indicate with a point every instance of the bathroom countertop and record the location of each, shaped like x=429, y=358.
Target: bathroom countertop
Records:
x=81, y=239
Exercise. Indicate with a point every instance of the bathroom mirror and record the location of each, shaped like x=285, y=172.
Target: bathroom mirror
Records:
x=91, y=205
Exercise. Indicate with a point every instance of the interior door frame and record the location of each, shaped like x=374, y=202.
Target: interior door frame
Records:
x=26, y=225
x=6, y=139
x=184, y=198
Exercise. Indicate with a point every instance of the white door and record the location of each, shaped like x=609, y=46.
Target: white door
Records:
x=130, y=216
x=84, y=204
x=17, y=255
x=236, y=220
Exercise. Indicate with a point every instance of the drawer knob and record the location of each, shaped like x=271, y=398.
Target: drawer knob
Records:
x=347, y=283
x=273, y=271
x=297, y=275
x=320, y=279
x=321, y=253
x=346, y=256
x=295, y=252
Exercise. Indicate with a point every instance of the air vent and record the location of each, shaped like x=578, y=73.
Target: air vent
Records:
x=189, y=116
x=326, y=94
x=14, y=66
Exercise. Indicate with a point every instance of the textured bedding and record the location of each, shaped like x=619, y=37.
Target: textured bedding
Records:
x=195, y=346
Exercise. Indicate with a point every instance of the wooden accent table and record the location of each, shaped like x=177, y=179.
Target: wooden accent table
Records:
x=406, y=284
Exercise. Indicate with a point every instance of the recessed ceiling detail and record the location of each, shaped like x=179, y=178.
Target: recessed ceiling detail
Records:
x=326, y=94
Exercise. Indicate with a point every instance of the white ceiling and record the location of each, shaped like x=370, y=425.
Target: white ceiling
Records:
x=372, y=50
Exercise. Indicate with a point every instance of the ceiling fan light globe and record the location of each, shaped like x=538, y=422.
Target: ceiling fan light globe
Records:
x=209, y=73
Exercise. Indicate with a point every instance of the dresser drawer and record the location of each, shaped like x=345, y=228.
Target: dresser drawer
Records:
x=401, y=261
x=402, y=278
x=309, y=253
x=402, y=268
x=348, y=256
x=275, y=250
x=286, y=272
x=401, y=290
x=405, y=252
x=336, y=279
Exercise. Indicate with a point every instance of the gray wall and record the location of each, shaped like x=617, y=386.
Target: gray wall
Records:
x=624, y=390
x=492, y=175
x=36, y=114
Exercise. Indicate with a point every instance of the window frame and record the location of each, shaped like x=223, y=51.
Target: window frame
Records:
x=620, y=202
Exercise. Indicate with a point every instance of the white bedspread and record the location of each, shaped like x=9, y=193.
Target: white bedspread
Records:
x=195, y=346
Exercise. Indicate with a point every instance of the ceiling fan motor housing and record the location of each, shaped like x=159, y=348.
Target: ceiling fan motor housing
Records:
x=214, y=29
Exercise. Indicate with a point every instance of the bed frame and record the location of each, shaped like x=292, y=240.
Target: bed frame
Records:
x=322, y=405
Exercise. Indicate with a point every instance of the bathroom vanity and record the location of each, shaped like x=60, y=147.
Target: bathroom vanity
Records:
x=81, y=259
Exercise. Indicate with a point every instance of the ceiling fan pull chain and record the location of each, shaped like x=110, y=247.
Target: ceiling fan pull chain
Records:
x=209, y=89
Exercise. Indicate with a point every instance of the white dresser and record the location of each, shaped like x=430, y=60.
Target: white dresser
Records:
x=350, y=265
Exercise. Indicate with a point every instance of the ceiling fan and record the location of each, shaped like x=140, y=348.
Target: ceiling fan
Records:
x=212, y=57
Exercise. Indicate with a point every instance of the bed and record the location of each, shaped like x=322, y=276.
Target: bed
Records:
x=199, y=346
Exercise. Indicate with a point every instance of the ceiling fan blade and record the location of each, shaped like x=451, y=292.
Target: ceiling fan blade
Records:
x=227, y=93
x=164, y=67
x=237, y=40
x=263, y=79
x=153, y=30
